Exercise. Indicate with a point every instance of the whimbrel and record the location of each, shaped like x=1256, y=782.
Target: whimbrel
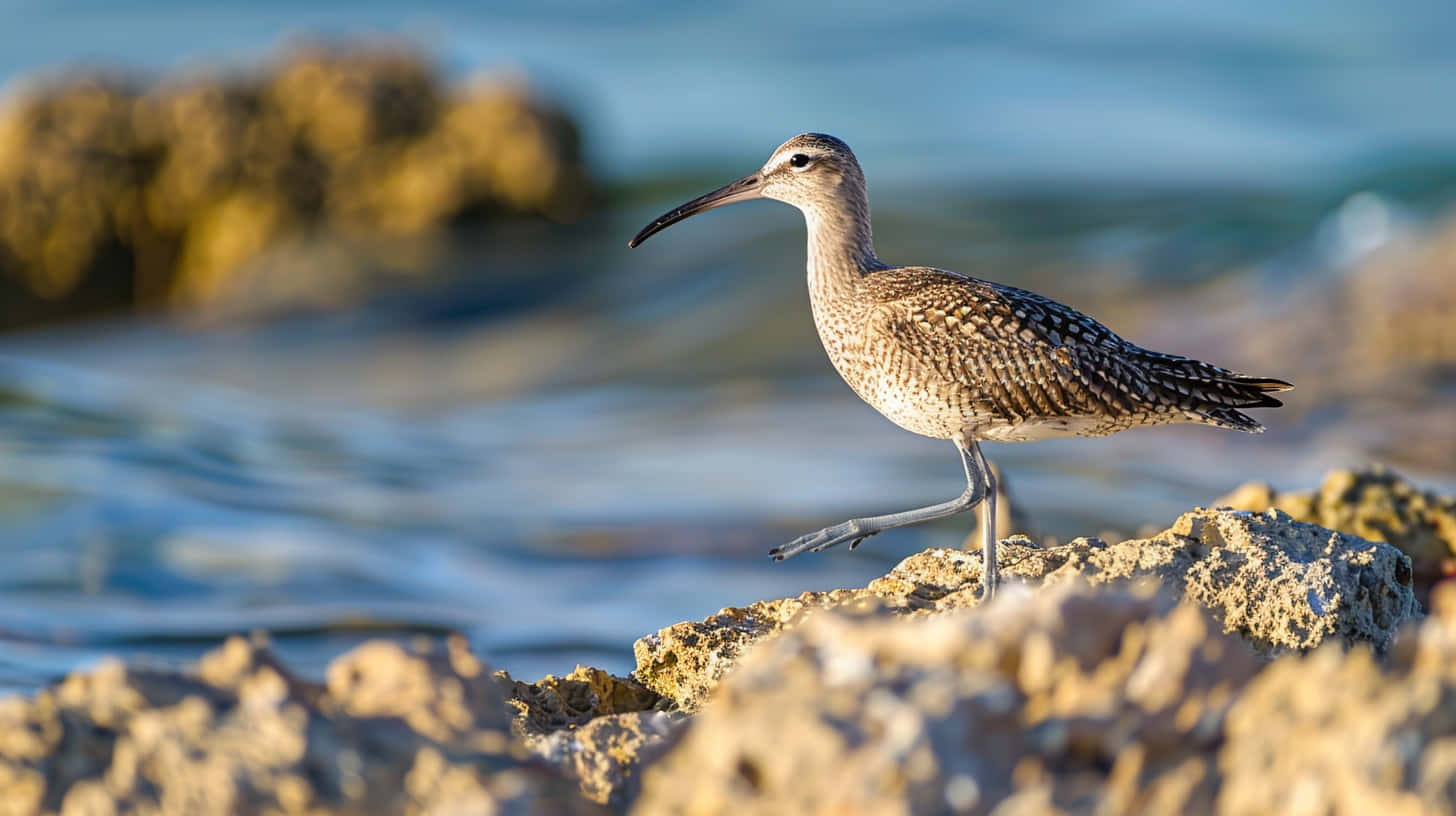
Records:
x=953, y=357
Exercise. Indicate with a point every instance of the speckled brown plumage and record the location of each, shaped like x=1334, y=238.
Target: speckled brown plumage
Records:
x=958, y=358
x=940, y=354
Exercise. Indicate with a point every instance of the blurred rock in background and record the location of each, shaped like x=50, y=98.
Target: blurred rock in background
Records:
x=115, y=196
x=1383, y=315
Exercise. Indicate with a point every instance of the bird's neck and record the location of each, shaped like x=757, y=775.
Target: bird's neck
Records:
x=841, y=247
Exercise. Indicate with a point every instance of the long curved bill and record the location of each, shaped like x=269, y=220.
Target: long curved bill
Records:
x=740, y=190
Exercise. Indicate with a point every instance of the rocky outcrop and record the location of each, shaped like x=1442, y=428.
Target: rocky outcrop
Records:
x=597, y=728
x=1337, y=732
x=1277, y=583
x=113, y=196
x=1066, y=699
x=1239, y=662
x=606, y=755
x=553, y=703
x=391, y=732
x=1376, y=504
x=1040, y=700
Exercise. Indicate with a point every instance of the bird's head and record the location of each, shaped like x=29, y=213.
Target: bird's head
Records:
x=808, y=171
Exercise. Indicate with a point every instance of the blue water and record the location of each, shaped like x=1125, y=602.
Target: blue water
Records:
x=1230, y=92
x=557, y=446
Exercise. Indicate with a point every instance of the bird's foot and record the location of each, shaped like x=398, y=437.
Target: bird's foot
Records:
x=854, y=531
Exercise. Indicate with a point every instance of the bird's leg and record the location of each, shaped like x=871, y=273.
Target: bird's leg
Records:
x=857, y=530
x=989, y=575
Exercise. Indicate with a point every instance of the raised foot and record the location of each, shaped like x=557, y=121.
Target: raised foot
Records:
x=854, y=531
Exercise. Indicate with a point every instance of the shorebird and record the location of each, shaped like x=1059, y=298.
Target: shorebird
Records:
x=952, y=357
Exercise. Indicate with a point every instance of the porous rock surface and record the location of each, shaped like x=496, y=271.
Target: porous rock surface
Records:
x=684, y=662
x=1376, y=504
x=1336, y=732
x=1277, y=583
x=1041, y=696
x=597, y=728
x=1067, y=699
x=390, y=732
x=606, y=755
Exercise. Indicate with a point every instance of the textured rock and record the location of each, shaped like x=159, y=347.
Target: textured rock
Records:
x=1052, y=698
x=595, y=727
x=112, y=196
x=553, y=703
x=1377, y=505
x=1337, y=733
x=684, y=662
x=1067, y=699
x=391, y=732
x=1277, y=583
x=1238, y=663
x=607, y=755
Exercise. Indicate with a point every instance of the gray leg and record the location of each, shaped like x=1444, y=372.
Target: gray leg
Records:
x=857, y=530
x=989, y=574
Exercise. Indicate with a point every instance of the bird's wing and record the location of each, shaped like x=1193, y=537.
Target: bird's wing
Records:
x=1019, y=354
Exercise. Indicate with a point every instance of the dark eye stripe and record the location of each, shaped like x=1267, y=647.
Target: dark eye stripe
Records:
x=798, y=160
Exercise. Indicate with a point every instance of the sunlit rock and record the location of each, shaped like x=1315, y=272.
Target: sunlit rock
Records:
x=1375, y=504
x=1276, y=583
x=1067, y=698
x=393, y=731
x=115, y=196
x=597, y=728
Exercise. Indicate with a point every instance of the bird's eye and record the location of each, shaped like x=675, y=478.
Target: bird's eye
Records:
x=798, y=160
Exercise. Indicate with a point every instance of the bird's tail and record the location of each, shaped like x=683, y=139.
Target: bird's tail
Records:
x=1212, y=395
x=1250, y=392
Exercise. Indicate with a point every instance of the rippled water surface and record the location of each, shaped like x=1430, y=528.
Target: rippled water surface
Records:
x=557, y=446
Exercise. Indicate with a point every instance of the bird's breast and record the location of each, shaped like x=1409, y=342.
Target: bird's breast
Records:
x=887, y=378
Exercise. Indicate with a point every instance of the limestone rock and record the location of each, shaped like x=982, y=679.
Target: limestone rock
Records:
x=1058, y=698
x=607, y=754
x=116, y=194
x=597, y=728
x=1067, y=699
x=1239, y=662
x=1277, y=583
x=683, y=662
x=554, y=702
x=1336, y=733
x=1376, y=504
x=392, y=732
